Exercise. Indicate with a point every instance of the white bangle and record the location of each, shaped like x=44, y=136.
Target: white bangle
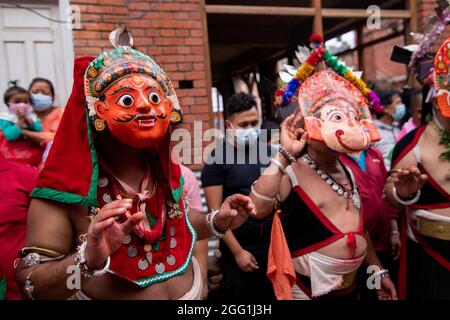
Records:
x=261, y=196
x=278, y=165
x=80, y=261
x=210, y=223
x=405, y=202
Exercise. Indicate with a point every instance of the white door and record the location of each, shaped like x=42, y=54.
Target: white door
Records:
x=33, y=46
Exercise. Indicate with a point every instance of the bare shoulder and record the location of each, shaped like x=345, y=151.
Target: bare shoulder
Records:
x=409, y=160
x=404, y=155
x=50, y=225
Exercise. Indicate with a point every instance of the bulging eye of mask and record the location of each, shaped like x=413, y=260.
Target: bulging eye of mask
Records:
x=41, y=102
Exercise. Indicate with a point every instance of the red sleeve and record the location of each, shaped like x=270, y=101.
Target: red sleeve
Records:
x=392, y=212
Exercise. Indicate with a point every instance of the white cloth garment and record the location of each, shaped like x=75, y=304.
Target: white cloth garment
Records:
x=326, y=273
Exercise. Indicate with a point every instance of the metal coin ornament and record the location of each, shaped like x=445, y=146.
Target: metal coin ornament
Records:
x=132, y=251
x=160, y=268
x=143, y=264
x=102, y=182
x=173, y=243
x=127, y=239
x=171, y=260
x=107, y=198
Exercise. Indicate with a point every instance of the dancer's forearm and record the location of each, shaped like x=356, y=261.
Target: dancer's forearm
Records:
x=51, y=279
x=268, y=186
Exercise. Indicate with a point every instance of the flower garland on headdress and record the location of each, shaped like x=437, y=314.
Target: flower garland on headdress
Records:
x=307, y=69
x=334, y=63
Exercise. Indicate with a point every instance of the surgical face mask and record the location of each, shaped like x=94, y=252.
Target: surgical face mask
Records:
x=41, y=102
x=20, y=107
x=400, y=111
x=247, y=136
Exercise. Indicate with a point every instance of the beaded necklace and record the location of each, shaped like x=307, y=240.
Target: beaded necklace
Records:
x=335, y=186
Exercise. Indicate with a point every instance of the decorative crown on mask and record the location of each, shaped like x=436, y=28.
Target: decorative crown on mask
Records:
x=111, y=66
x=309, y=60
x=339, y=89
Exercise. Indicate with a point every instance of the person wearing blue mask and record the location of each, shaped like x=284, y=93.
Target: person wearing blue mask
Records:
x=387, y=123
x=42, y=95
x=238, y=161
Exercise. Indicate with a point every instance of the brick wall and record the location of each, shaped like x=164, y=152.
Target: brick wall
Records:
x=377, y=58
x=170, y=31
x=383, y=68
x=425, y=8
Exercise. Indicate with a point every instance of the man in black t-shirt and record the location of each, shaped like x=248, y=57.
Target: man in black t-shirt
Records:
x=232, y=167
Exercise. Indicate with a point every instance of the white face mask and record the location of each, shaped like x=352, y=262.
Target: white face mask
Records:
x=400, y=111
x=245, y=137
x=41, y=102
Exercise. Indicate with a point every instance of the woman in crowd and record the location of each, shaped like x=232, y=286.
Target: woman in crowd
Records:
x=42, y=94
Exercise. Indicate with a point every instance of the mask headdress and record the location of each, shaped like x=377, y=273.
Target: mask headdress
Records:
x=338, y=92
x=308, y=65
x=123, y=60
x=71, y=170
x=441, y=78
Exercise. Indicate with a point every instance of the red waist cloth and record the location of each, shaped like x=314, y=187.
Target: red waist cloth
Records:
x=21, y=150
x=16, y=183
